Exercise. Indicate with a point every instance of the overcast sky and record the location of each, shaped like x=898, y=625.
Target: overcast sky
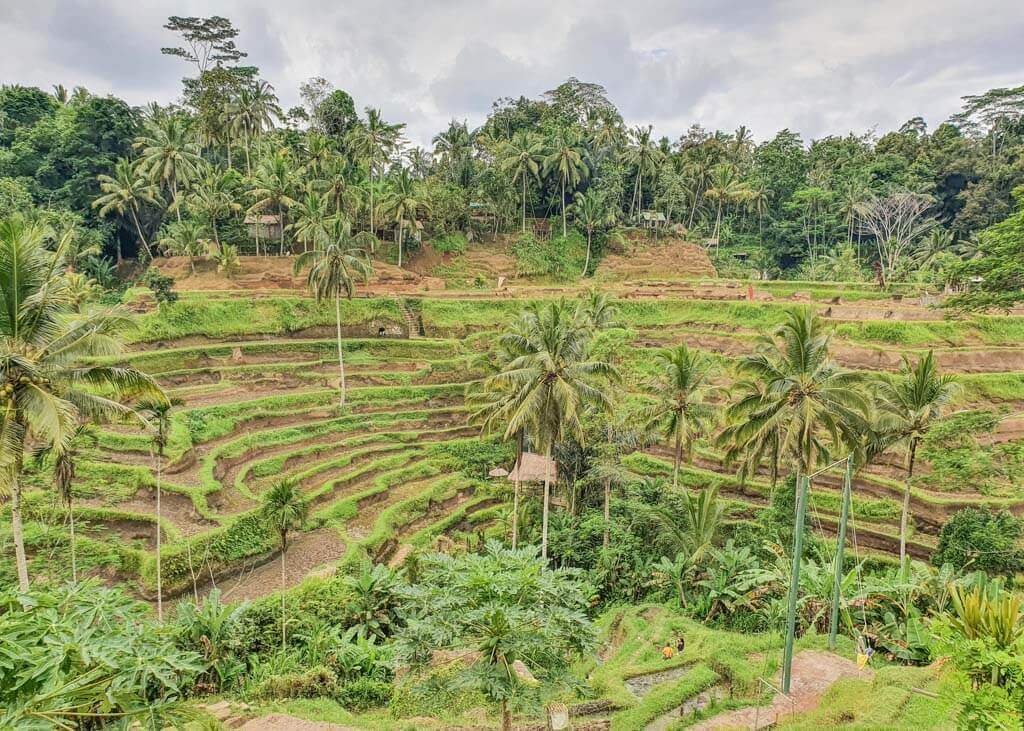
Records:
x=815, y=66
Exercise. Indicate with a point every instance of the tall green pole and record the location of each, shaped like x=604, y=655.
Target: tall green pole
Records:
x=803, y=485
x=844, y=513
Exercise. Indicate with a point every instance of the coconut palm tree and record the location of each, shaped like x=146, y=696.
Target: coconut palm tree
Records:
x=374, y=140
x=48, y=385
x=251, y=113
x=726, y=189
x=551, y=381
x=642, y=154
x=403, y=204
x=796, y=401
x=124, y=193
x=64, y=463
x=274, y=184
x=333, y=269
x=316, y=151
x=914, y=401
x=168, y=156
x=591, y=213
x=567, y=160
x=453, y=149
x=284, y=509
x=311, y=219
x=681, y=410
x=215, y=196
x=522, y=156
x=158, y=413
x=185, y=238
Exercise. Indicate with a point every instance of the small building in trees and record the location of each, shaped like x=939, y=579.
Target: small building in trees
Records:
x=534, y=468
x=264, y=227
x=653, y=220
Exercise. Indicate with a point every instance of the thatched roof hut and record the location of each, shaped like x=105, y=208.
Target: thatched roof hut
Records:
x=534, y=468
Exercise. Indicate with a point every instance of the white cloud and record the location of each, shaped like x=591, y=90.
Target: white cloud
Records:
x=814, y=67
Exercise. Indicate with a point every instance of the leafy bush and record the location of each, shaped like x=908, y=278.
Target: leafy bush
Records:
x=454, y=243
x=315, y=682
x=476, y=457
x=560, y=257
x=982, y=539
x=162, y=286
x=364, y=693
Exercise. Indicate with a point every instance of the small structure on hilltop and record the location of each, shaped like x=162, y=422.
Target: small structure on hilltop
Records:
x=264, y=226
x=653, y=220
x=534, y=468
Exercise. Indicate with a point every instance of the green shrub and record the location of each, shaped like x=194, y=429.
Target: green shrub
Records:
x=982, y=538
x=560, y=257
x=454, y=243
x=364, y=693
x=315, y=682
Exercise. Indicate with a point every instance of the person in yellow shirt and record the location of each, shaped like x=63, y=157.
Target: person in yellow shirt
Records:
x=667, y=651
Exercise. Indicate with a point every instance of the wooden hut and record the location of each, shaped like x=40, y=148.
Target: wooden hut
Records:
x=264, y=227
x=534, y=468
x=653, y=220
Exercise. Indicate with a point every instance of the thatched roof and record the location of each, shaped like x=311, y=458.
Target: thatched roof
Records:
x=534, y=468
x=267, y=219
x=498, y=472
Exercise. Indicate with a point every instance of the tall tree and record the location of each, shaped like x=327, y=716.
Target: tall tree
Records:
x=591, y=213
x=284, y=510
x=567, y=161
x=403, y=204
x=374, y=140
x=522, y=156
x=252, y=112
x=168, y=156
x=333, y=269
x=914, y=402
x=50, y=385
x=124, y=193
x=641, y=154
x=158, y=413
x=681, y=410
x=275, y=184
x=215, y=196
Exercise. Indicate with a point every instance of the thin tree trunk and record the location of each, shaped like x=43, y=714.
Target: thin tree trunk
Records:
x=228, y=146
x=678, y=459
x=607, y=513
x=174, y=198
x=547, y=499
x=639, y=194
x=284, y=634
x=371, y=197
x=586, y=264
x=248, y=164
x=400, y=237
x=138, y=230
x=564, y=230
x=280, y=223
x=17, y=533
x=159, y=571
x=506, y=717
x=74, y=553
x=341, y=360
x=905, y=515
x=524, y=202
x=515, y=493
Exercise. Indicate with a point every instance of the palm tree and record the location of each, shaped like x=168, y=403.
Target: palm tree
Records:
x=522, y=156
x=726, y=188
x=216, y=196
x=796, y=401
x=284, y=509
x=332, y=273
x=454, y=149
x=125, y=192
x=591, y=213
x=275, y=181
x=158, y=413
x=63, y=476
x=690, y=533
x=169, y=156
x=620, y=438
x=551, y=381
x=566, y=158
x=914, y=401
x=252, y=112
x=49, y=384
x=374, y=140
x=185, y=238
x=403, y=204
x=680, y=391
x=311, y=219
x=317, y=151
x=645, y=157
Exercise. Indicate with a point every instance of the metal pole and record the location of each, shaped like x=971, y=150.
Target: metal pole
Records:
x=803, y=485
x=833, y=625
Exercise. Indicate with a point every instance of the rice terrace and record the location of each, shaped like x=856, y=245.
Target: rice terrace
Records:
x=311, y=421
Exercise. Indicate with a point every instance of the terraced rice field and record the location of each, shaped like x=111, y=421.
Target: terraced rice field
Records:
x=260, y=404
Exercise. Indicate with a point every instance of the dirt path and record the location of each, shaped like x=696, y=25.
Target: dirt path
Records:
x=306, y=551
x=814, y=672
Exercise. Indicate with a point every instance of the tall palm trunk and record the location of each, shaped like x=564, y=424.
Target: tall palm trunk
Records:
x=16, y=531
x=159, y=571
x=905, y=515
x=138, y=230
x=516, y=490
x=639, y=193
x=399, y=234
x=564, y=229
x=174, y=198
x=547, y=501
x=586, y=264
x=678, y=458
x=341, y=360
x=248, y=163
x=371, y=197
x=284, y=632
x=280, y=224
x=524, y=202
x=693, y=210
x=71, y=536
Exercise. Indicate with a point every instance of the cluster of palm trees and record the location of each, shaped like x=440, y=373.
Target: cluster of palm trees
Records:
x=304, y=186
x=789, y=403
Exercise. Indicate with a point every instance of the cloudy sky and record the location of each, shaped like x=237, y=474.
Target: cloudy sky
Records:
x=816, y=66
